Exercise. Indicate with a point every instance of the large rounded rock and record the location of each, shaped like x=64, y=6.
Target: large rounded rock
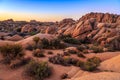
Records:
x=112, y=64
x=100, y=76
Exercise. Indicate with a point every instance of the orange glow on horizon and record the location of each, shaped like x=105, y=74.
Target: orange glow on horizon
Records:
x=28, y=17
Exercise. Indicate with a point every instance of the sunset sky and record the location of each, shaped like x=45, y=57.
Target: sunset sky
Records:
x=54, y=10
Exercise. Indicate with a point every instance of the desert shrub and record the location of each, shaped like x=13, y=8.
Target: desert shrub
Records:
x=38, y=70
x=31, y=47
x=86, y=40
x=62, y=60
x=79, y=63
x=96, y=49
x=64, y=36
x=95, y=60
x=67, y=61
x=80, y=55
x=55, y=43
x=51, y=44
x=50, y=52
x=82, y=47
x=68, y=39
x=91, y=64
x=66, y=53
x=19, y=63
x=44, y=43
x=12, y=51
x=36, y=39
x=5, y=61
x=64, y=76
x=85, y=51
x=71, y=40
x=110, y=49
x=38, y=53
x=33, y=33
x=57, y=59
x=72, y=51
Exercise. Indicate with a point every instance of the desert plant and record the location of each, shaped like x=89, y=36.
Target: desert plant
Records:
x=68, y=39
x=82, y=47
x=5, y=61
x=91, y=64
x=66, y=53
x=72, y=51
x=36, y=39
x=38, y=70
x=96, y=49
x=51, y=44
x=19, y=63
x=80, y=55
x=62, y=60
x=79, y=63
x=30, y=47
x=50, y=52
x=64, y=76
x=95, y=60
x=55, y=43
x=12, y=51
x=85, y=51
x=38, y=53
x=44, y=43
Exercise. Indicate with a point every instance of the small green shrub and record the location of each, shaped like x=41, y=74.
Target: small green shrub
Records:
x=95, y=60
x=79, y=63
x=38, y=70
x=36, y=39
x=91, y=64
x=68, y=39
x=51, y=44
x=71, y=40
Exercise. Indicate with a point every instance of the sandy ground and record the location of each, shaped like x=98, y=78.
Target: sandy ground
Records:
x=17, y=74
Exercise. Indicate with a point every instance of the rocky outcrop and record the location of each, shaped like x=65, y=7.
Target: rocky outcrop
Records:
x=101, y=17
x=51, y=30
x=28, y=28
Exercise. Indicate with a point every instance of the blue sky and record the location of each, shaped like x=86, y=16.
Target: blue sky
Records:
x=54, y=10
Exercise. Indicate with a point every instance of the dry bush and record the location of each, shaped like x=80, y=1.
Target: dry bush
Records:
x=38, y=53
x=50, y=52
x=11, y=52
x=38, y=70
x=91, y=64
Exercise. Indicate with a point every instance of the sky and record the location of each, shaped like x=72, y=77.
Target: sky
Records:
x=54, y=10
